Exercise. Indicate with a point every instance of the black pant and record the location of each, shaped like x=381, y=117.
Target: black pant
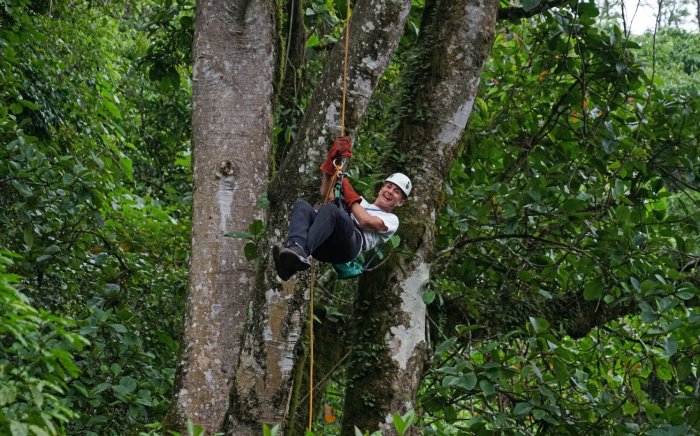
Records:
x=329, y=235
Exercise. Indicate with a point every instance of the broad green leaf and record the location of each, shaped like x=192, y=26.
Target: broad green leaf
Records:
x=670, y=347
x=257, y=228
x=22, y=188
x=529, y=5
x=112, y=109
x=539, y=324
x=119, y=328
x=487, y=387
x=686, y=291
x=18, y=428
x=251, y=251
x=629, y=408
x=194, y=429
x=467, y=382
x=445, y=345
x=522, y=409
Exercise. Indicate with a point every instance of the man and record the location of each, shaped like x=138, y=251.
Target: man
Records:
x=333, y=235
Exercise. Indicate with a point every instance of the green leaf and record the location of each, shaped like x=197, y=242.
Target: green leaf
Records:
x=118, y=328
x=127, y=167
x=467, y=382
x=18, y=429
x=68, y=179
x=522, y=409
x=686, y=291
x=629, y=408
x=263, y=202
x=619, y=188
x=670, y=347
x=23, y=189
x=37, y=396
x=313, y=41
x=7, y=395
x=487, y=387
x=257, y=228
x=112, y=109
x=242, y=235
x=539, y=324
x=445, y=346
x=38, y=431
x=128, y=383
x=194, y=429
x=428, y=297
x=529, y=5
x=403, y=423
x=28, y=236
x=251, y=251
x=587, y=10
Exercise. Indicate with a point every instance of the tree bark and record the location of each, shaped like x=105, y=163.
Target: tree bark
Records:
x=262, y=387
x=388, y=371
x=234, y=69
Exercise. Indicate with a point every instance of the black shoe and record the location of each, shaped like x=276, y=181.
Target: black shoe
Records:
x=290, y=260
x=276, y=257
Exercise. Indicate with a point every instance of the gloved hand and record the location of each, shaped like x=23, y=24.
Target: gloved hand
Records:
x=350, y=197
x=341, y=148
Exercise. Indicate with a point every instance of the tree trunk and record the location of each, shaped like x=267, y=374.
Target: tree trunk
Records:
x=388, y=371
x=270, y=347
x=233, y=76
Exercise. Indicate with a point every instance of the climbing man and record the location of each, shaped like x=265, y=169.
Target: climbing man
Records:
x=337, y=233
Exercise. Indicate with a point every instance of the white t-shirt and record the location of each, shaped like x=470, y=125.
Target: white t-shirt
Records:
x=372, y=238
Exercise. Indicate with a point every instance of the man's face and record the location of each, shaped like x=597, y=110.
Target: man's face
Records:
x=389, y=197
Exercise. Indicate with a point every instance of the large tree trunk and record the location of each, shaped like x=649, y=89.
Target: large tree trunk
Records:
x=454, y=49
x=233, y=76
x=270, y=347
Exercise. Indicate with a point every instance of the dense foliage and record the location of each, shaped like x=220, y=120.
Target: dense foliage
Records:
x=565, y=290
x=575, y=203
x=94, y=182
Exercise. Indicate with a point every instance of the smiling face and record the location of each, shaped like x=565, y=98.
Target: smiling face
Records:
x=389, y=197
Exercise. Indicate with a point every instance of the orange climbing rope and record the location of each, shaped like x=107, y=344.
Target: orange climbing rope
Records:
x=327, y=198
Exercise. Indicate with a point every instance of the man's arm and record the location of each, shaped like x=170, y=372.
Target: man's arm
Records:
x=367, y=221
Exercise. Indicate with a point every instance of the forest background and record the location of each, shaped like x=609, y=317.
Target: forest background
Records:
x=558, y=203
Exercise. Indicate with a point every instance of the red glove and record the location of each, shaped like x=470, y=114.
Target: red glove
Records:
x=341, y=148
x=350, y=197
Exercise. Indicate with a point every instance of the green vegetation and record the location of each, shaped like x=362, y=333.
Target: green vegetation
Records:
x=95, y=203
x=564, y=296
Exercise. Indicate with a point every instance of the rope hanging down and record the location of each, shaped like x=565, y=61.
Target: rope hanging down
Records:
x=338, y=170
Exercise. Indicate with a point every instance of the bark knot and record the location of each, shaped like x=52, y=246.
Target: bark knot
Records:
x=226, y=169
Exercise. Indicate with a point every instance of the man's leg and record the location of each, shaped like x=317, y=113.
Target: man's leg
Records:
x=294, y=256
x=333, y=237
x=301, y=220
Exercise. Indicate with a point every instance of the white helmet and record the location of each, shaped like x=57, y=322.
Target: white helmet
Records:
x=402, y=181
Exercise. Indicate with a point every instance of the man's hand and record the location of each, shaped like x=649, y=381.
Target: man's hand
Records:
x=342, y=147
